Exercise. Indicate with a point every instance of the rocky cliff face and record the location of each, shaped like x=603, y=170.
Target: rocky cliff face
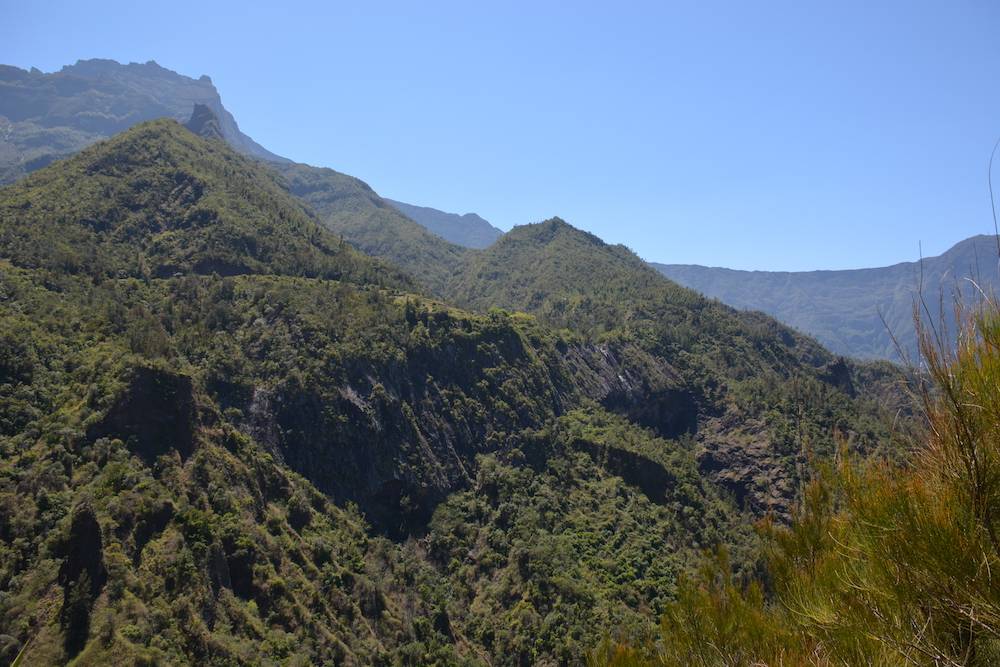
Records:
x=205, y=123
x=81, y=576
x=48, y=116
x=398, y=438
x=297, y=459
x=154, y=414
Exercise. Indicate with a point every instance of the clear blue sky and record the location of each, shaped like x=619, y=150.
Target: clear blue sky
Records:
x=771, y=135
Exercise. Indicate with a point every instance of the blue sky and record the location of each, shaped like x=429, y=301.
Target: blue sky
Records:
x=768, y=135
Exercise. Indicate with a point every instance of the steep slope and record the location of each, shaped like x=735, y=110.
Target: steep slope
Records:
x=740, y=372
x=349, y=207
x=44, y=117
x=279, y=467
x=468, y=231
x=158, y=200
x=204, y=123
x=844, y=310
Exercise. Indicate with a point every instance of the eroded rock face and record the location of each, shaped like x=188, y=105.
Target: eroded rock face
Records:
x=670, y=412
x=204, y=123
x=397, y=437
x=84, y=554
x=153, y=415
x=81, y=576
x=640, y=471
x=739, y=455
x=633, y=383
x=838, y=374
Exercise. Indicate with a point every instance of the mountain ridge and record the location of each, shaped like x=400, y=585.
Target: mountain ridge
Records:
x=204, y=466
x=571, y=279
x=349, y=207
x=229, y=437
x=468, y=230
x=160, y=189
x=47, y=116
x=845, y=308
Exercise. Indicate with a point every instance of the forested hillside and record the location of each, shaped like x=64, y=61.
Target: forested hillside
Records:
x=229, y=437
x=761, y=398
x=884, y=564
x=350, y=208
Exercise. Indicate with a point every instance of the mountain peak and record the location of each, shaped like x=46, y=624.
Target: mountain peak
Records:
x=191, y=206
x=468, y=230
x=205, y=123
x=53, y=115
x=550, y=230
x=552, y=258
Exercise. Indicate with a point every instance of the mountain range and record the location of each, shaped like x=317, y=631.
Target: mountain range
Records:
x=864, y=313
x=48, y=116
x=468, y=230
x=253, y=414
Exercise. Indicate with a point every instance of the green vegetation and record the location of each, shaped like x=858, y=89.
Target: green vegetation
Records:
x=882, y=565
x=348, y=207
x=767, y=397
x=167, y=416
x=228, y=438
x=158, y=201
x=548, y=549
x=165, y=504
x=49, y=116
x=571, y=279
x=237, y=368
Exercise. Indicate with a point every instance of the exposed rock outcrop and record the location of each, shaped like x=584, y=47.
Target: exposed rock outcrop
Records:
x=738, y=455
x=205, y=123
x=51, y=115
x=640, y=471
x=631, y=382
x=81, y=576
x=154, y=414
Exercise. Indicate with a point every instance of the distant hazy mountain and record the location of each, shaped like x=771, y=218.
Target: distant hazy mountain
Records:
x=842, y=308
x=467, y=230
x=47, y=116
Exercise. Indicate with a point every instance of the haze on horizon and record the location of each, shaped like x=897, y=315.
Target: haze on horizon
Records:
x=778, y=138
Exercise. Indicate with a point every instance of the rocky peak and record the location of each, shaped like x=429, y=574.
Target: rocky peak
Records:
x=205, y=123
